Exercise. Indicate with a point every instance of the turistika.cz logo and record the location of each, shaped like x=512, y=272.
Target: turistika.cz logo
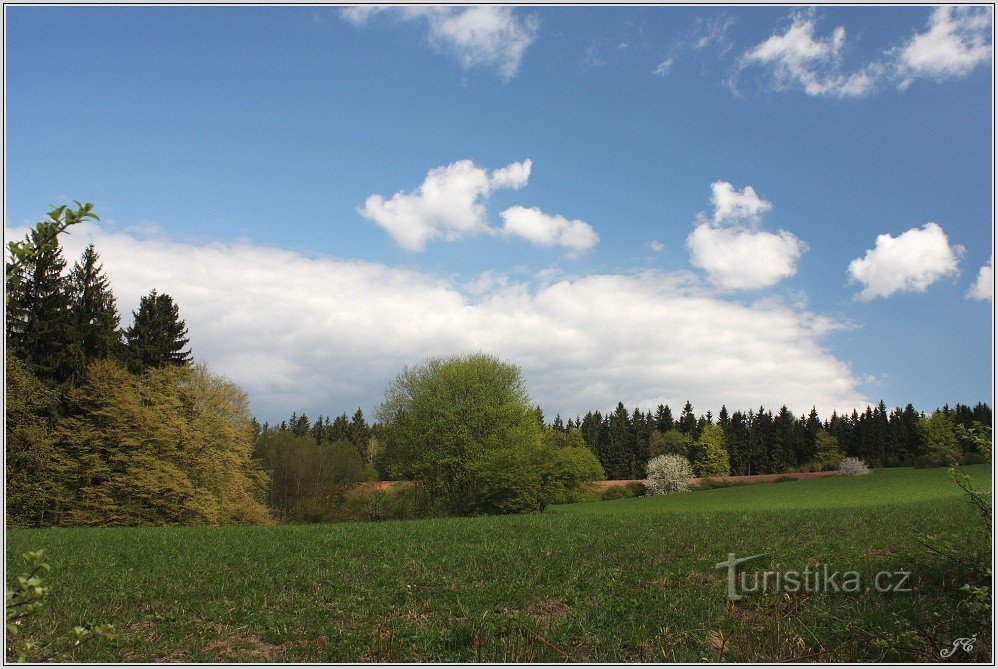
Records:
x=814, y=578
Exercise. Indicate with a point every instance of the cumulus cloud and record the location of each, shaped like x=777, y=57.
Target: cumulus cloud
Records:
x=732, y=250
x=322, y=334
x=448, y=205
x=483, y=36
x=656, y=246
x=733, y=205
x=797, y=58
x=743, y=259
x=983, y=287
x=912, y=261
x=955, y=43
x=543, y=229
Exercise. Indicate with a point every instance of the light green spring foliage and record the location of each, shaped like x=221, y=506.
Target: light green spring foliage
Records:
x=463, y=428
x=24, y=599
x=711, y=455
x=171, y=446
x=35, y=465
x=827, y=453
x=44, y=236
x=938, y=439
x=569, y=466
x=667, y=474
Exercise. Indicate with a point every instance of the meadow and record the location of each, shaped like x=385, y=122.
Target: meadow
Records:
x=627, y=580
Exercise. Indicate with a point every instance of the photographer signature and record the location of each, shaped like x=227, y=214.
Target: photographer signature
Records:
x=966, y=644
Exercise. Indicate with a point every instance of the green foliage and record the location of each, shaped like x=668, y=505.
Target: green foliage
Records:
x=158, y=335
x=464, y=429
x=670, y=442
x=309, y=480
x=568, y=468
x=938, y=440
x=975, y=440
x=711, y=457
x=23, y=600
x=626, y=491
x=35, y=464
x=827, y=454
x=95, y=311
x=171, y=446
x=44, y=238
x=40, y=324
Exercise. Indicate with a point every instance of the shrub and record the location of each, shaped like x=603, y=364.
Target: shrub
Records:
x=827, y=453
x=667, y=474
x=617, y=492
x=569, y=467
x=938, y=440
x=637, y=487
x=853, y=467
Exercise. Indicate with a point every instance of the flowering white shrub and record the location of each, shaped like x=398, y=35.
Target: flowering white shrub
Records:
x=853, y=467
x=668, y=473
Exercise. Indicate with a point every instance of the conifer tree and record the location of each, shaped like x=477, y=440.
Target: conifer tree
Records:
x=157, y=336
x=95, y=312
x=40, y=329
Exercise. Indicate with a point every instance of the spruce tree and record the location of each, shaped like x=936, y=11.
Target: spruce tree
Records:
x=95, y=312
x=40, y=330
x=157, y=336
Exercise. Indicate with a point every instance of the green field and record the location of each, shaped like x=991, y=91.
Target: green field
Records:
x=629, y=580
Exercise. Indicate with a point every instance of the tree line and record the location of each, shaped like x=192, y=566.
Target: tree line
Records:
x=108, y=425
x=763, y=442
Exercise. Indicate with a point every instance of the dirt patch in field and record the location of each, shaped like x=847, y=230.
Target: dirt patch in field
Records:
x=743, y=480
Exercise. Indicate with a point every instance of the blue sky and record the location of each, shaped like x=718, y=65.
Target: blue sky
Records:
x=232, y=153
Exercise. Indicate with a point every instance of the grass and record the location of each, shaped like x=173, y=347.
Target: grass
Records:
x=628, y=580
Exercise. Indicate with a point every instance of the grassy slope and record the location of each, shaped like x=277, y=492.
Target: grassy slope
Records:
x=626, y=580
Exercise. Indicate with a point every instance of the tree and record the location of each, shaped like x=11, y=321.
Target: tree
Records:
x=170, y=446
x=36, y=467
x=827, y=453
x=43, y=238
x=463, y=428
x=157, y=336
x=95, y=312
x=711, y=456
x=687, y=420
x=938, y=439
x=671, y=442
x=39, y=318
x=568, y=466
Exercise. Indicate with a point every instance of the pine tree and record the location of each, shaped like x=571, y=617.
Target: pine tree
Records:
x=663, y=418
x=688, y=421
x=40, y=329
x=157, y=336
x=95, y=311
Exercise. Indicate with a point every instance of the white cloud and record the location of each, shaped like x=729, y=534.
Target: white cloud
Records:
x=797, y=58
x=732, y=205
x=663, y=68
x=912, y=261
x=482, y=36
x=448, y=205
x=955, y=43
x=543, y=229
x=744, y=259
x=656, y=246
x=322, y=334
x=983, y=287
x=733, y=251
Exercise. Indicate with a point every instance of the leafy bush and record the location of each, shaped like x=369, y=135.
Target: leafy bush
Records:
x=616, y=492
x=853, y=467
x=667, y=474
x=827, y=453
x=938, y=441
x=22, y=601
x=624, y=491
x=710, y=483
x=569, y=467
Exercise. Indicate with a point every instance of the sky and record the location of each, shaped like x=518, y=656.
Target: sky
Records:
x=727, y=205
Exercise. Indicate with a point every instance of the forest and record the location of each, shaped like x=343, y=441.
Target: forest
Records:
x=116, y=425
